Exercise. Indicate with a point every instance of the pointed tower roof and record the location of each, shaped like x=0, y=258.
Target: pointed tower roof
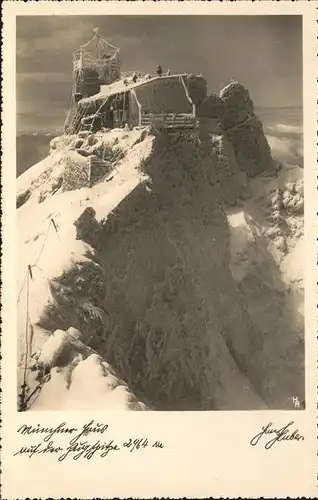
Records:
x=98, y=47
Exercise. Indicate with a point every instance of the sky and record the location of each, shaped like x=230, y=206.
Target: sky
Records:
x=263, y=52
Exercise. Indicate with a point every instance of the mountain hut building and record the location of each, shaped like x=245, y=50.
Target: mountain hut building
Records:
x=104, y=97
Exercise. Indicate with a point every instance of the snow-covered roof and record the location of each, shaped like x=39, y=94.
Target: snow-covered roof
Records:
x=119, y=87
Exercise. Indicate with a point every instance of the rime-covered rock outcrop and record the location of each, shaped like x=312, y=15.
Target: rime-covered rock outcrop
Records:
x=236, y=105
x=244, y=130
x=233, y=109
x=72, y=376
x=209, y=107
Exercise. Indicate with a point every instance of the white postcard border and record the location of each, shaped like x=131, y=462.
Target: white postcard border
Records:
x=206, y=454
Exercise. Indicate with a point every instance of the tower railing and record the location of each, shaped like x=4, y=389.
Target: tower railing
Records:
x=86, y=60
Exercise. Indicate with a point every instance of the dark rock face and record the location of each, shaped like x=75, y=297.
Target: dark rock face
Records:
x=175, y=309
x=244, y=130
x=23, y=198
x=209, y=108
x=251, y=148
x=229, y=180
x=87, y=227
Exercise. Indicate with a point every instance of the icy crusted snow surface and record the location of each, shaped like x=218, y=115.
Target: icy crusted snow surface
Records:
x=176, y=294
x=267, y=263
x=52, y=254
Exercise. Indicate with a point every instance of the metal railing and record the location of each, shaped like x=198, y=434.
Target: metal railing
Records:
x=169, y=120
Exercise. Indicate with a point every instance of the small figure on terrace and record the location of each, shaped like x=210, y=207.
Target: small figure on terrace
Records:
x=168, y=72
x=159, y=70
x=134, y=77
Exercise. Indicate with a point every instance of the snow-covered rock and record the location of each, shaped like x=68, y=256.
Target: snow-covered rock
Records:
x=139, y=286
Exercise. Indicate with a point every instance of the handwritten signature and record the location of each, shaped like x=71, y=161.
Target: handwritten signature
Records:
x=285, y=433
x=79, y=446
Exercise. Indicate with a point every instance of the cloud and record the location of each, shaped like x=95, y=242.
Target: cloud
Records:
x=36, y=108
x=42, y=77
x=39, y=35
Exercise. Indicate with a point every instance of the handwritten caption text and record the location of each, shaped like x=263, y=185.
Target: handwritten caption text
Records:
x=92, y=439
